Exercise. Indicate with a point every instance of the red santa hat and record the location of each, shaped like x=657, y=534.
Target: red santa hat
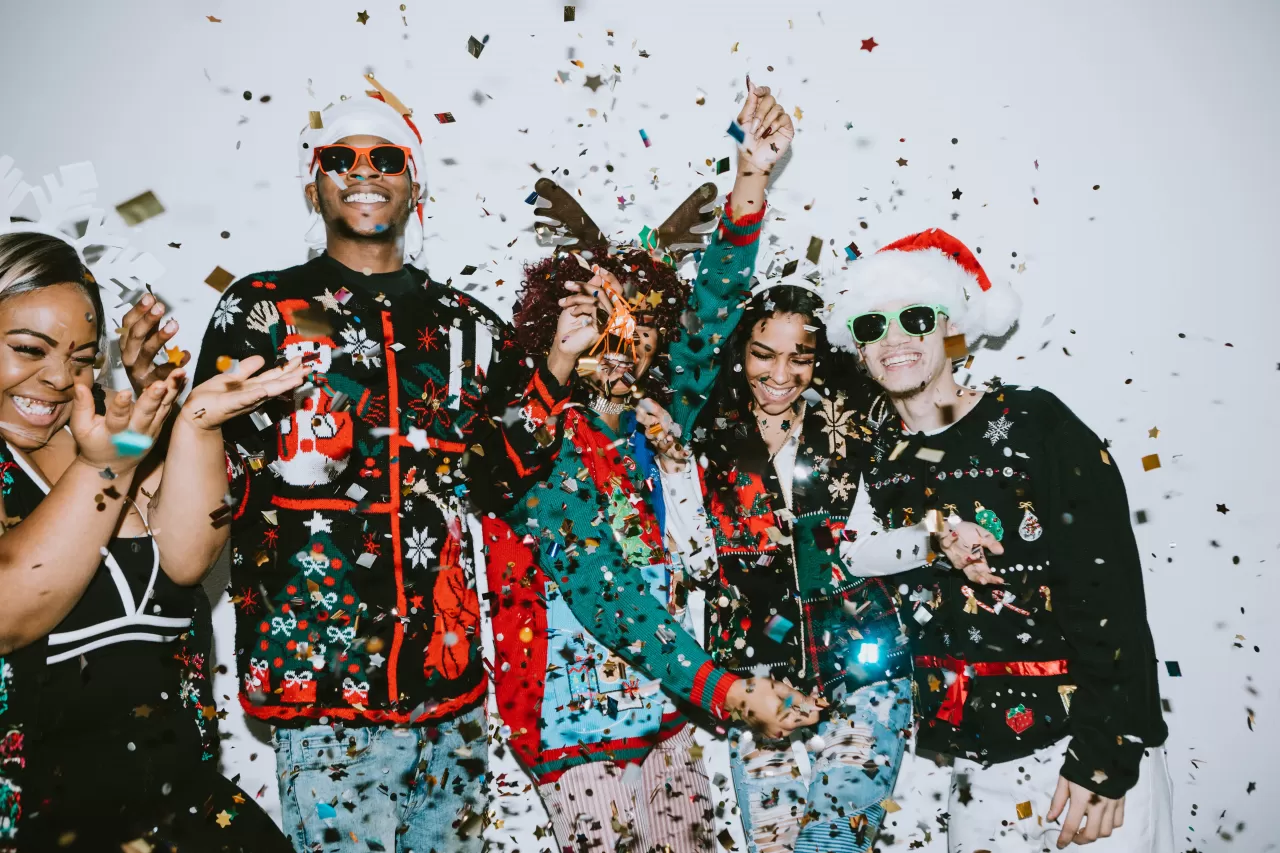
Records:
x=375, y=113
x=931, y=267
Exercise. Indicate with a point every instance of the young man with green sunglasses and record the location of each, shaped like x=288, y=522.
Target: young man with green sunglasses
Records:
x=1042, y=689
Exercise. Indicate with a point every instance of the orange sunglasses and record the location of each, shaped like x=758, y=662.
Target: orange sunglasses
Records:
x=390, y=160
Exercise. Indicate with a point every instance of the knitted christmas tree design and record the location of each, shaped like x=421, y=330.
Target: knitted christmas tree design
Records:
x=313, y=629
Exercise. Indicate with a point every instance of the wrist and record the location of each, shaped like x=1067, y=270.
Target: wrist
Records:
x=121, y=468
x=561, y=365
x=193, y=419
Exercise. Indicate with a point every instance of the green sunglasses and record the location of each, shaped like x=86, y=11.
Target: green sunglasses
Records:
x=914, y=320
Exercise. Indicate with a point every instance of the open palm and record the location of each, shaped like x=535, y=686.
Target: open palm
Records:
x=97, y=436
x=238, y=391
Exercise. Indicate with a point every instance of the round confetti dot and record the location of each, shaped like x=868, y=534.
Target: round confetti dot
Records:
x=223, y=363
x=374, y=645
x=226, y=235
x=265, y=99
x=526, y=634
x=450, y=638
x=248, y=96
x=955, y=141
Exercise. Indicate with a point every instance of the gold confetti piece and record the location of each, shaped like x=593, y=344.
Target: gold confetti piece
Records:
x=890, y=806
x=315, y=119
x=1024, y=810
x=223, y=819
x=929, y=454
x=140, y=208
x=798, y=114
x=219, y=279
x=212, y=20
x=956, y=347
x=387, y=96
x=734, y=49
x=1154, y=432
x=897, y=450
x=726, y=840
x=1064, y=692
x=1149, y=463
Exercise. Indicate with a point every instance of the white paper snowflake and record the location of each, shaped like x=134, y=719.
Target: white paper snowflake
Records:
x=998, y=430
x=418, y=547
x=975, y=635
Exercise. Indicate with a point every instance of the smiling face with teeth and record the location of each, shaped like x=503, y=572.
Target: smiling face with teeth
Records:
x=50, y=346
x=906, y=366
x=779, y=361
x=364, y=205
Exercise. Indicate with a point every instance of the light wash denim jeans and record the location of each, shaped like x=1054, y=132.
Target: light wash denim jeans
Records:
x=837, y=775
x=402, y=790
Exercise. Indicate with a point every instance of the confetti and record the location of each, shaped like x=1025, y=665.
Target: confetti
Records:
x=869, y=44
x=475, y=45
x=315, y=119
x=722, y=165
x=445, y=118
x=735, y=130
x=644, y=137
x=362, y=17
x=1024, y=810
x=814, y=252
x=130, y=443
x=1173, y=668
x=570, y=13
x=852, y=252
x=140, y=208
x=1150, y=462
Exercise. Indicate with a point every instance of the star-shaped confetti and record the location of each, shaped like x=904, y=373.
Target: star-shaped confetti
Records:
x=901, y=161
x=1222, y=508
x=223, y=819
x=870, y=44
x=956, y=193
x=175, y=355
x=362, y=17
x=1154, y=432
x=142, y=711
x=593, y=82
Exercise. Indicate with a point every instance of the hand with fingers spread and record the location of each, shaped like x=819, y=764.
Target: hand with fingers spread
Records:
x=238, y=391
x=146, y=416
x=966, y=545
x=767, y=130
x=582, y=316
x=771, y=707
x=663, y=434
x=1100, y=815
x=141, y=339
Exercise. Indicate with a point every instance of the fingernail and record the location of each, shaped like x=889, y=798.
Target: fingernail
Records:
x=171, y=326
x=146, y=300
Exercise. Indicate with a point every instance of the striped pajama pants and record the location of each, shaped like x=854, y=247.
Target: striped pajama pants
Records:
x=662, y=804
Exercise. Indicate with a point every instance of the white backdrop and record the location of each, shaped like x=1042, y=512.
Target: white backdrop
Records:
x=1142, y=128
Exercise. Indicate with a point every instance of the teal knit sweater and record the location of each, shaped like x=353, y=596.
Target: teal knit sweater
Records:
x=607, y=593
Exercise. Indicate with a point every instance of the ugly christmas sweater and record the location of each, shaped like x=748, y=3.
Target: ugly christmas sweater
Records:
x=589, y=655
x=782, y=603
x=1063, y=647
x=350, y=570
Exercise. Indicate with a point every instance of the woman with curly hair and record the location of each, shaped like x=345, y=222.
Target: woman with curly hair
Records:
x=594, y=669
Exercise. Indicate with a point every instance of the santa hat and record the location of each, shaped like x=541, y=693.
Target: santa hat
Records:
x=376, y=113
x=932, y=268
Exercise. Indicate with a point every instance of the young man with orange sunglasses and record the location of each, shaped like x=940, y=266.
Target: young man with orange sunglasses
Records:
x=357, y=619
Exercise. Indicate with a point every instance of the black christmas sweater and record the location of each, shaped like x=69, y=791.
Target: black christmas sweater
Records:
x=350, y=554
x=1063, y=647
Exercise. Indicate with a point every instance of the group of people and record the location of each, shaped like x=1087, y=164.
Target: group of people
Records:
x=764, y=509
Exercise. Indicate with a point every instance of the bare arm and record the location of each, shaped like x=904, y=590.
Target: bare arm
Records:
x=43, y=570
x=186, y=518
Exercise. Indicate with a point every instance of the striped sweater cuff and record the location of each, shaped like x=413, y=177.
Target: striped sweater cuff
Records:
x=745, y=229
x=711, y=687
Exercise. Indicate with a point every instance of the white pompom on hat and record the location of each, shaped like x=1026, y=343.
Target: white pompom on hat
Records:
x=378, y=114
x=931, y=268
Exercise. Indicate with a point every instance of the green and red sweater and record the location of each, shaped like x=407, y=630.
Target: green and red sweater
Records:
x=593, y=567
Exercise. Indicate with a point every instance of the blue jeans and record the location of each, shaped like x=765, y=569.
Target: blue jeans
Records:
x=409, y=790
x=832, y=778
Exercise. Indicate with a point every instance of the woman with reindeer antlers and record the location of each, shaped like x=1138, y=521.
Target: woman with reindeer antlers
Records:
x=593, y=664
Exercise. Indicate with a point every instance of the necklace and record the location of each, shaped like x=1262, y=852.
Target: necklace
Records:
x=604, y=406
x=793, y=420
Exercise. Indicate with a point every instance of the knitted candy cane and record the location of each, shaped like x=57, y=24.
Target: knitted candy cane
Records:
x=1007, y=601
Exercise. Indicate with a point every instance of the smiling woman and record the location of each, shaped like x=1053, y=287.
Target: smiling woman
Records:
x=93, y=620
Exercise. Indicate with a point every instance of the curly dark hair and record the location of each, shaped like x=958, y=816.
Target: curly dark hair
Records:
x=536, y=313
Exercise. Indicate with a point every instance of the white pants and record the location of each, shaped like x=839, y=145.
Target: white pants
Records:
x=984, y=806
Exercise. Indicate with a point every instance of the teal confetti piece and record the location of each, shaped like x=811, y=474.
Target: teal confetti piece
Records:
x=736, y=131
x=130, y=443
x=777, y=627
x=648, y=238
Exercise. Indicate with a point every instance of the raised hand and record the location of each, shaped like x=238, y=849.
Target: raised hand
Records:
x=664, y=434
x=767, y=130
x=99, y=437
x=966, y=545
x=771, y=707
x=238, y=391
x=582, y=316
x=141, y=338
